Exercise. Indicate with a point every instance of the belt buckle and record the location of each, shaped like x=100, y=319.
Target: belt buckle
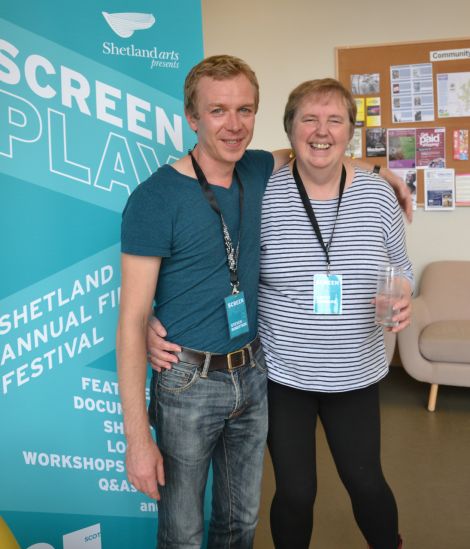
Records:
x=234, y=355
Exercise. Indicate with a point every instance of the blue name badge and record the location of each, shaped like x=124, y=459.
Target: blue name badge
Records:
x=327, y=294
x=237, y=317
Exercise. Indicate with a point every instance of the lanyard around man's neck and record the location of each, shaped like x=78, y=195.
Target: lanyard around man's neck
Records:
x=232, y=254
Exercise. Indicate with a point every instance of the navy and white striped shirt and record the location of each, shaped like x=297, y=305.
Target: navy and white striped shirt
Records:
x=329, y=353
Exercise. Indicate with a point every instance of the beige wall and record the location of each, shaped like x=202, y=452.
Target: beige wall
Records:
x=286, y=45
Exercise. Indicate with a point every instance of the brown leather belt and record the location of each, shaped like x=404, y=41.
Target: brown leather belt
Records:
x=230, y=361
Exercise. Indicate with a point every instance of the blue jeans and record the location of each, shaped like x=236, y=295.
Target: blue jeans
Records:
x=223, y=420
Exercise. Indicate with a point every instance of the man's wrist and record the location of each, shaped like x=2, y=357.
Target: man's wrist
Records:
x=140, y=433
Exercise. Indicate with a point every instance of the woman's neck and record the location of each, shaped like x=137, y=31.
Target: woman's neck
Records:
x=320, y=183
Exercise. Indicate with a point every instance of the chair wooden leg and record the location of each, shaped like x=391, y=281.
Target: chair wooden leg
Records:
x=433, y=397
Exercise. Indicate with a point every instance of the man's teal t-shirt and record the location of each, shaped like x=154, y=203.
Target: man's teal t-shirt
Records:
x=168, y=216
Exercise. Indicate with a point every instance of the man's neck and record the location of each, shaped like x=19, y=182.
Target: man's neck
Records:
x=216, y=172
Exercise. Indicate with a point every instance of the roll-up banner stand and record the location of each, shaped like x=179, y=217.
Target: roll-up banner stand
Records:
x=90, y=105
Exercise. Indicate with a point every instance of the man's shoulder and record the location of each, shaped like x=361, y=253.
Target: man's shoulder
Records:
x=158, y=189
x=256, y=163
x=184, y=166
x=163, y=180
x=257, y=155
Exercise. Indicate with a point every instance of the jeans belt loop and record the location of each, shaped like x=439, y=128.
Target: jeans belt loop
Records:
x=252, y=358
x=205, y=367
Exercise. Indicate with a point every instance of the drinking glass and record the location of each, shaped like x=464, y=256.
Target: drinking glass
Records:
x=389, y=291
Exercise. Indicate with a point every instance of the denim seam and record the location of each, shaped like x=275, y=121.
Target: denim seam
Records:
x=237, y=390
x=230, y=513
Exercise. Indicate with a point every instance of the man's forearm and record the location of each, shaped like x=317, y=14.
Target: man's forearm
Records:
x=139, y=275
x=281, y=158
x=132, y=370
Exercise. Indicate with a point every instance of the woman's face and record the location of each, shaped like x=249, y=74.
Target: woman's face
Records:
x=321, y=131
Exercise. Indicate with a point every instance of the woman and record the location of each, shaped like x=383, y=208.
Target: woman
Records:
x=325, y=229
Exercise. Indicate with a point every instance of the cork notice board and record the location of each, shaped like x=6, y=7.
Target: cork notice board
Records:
x=377, y=59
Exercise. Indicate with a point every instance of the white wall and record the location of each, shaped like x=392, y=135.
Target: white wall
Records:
x=288, y=42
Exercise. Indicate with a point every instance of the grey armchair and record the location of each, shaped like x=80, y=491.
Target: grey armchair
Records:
x=436, y=347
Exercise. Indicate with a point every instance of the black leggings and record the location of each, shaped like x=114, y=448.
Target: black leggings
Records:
x=352, y=425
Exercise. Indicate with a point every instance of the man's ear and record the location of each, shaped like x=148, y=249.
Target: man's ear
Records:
x=192, y=120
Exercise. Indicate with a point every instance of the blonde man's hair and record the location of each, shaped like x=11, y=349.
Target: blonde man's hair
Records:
x=218, y=67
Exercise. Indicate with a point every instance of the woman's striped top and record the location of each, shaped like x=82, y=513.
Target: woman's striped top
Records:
x=328, y=353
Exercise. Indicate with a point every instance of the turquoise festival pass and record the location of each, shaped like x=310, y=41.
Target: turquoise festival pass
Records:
x=327, y=294
x=237, y=317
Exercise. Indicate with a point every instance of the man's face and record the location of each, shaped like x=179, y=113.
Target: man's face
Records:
x=224, y=119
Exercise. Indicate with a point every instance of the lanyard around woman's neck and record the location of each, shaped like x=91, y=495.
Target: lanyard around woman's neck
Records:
x=311, y=213
x=232, y=254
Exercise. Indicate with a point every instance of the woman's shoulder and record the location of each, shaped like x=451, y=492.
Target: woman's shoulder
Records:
x=282, y=175
x=372, y=182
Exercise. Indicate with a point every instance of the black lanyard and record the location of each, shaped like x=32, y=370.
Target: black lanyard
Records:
x=232, y=254
x=311, y=213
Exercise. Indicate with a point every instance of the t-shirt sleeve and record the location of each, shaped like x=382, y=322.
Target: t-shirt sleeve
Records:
x=146, y=226
x=262, y=162
x=264, y=159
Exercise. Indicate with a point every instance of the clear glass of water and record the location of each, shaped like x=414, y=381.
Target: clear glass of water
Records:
x=389, y=291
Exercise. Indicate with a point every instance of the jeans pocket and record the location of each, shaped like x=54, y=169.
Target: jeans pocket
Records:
x=260, y=360
x=179, y=378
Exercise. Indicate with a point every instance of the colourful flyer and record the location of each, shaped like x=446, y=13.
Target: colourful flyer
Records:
x=373, y=112
x=462, y=189
x=364, y=84
x=376, y=139
x=360, y=118
x=401, y=148
x=439, y=189
x=430, y=148
x=409, y=178
x=460, y=144
x=354, y=148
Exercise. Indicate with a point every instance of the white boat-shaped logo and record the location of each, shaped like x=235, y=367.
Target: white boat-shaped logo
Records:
x=125, y=24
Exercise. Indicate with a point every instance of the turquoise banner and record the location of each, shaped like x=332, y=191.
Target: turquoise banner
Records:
x=90, y=105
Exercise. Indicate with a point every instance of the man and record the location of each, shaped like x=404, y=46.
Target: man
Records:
x=190, y=238
x=210, y=407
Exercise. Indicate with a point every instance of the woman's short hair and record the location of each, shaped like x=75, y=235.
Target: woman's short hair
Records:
x=319, y=87
x=218, y=67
